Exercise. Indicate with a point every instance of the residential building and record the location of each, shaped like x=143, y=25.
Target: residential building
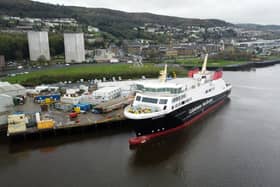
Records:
x=103, y=55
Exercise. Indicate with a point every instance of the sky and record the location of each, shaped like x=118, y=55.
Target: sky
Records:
x=234, y=11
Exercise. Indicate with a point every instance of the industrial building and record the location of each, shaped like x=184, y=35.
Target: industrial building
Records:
x=103, y=55
x=74, y=46
x=6, y=105
x=7, y=93
x=38, y=43
x=12, y=89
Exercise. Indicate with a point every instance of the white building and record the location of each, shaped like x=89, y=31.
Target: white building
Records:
x=6, y=106
x=106, y=93
x=92, y=29
x=103, y=55
x=38, y=43
x=12, y=89
x=74, y=46
x=7, y=92
x=71, y=96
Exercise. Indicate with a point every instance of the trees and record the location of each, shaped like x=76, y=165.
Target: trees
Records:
x=56, y=44
x=14, y=46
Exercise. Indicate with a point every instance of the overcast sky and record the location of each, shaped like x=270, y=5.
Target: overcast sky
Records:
x=235, y=11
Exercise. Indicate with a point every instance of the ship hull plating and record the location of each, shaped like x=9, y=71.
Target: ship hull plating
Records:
x=171, y=122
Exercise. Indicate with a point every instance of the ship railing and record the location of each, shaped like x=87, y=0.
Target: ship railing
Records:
x=142, y=109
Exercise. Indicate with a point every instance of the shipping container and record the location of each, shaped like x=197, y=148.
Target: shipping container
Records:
x=55, y=97
x=17, y=123
x=45, y=124
x=64, y=107
x=84, y=106
x=44, y=98
x=16, y=128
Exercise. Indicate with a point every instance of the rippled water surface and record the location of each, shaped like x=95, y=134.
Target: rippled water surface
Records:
x=238, y=145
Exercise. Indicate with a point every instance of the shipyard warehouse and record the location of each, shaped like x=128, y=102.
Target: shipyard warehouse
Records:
x=9, y=93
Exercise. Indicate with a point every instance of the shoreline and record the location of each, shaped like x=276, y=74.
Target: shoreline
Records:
x=246, y=66
x=241, y=67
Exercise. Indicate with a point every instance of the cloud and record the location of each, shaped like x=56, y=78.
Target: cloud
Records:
x=236, y=11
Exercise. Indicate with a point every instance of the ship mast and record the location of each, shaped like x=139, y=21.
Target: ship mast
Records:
x=163, y=74
x=203, y=70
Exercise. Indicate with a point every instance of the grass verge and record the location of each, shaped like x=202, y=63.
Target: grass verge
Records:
x=89, y=72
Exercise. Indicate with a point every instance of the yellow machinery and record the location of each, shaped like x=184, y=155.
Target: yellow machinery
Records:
x=174, y=75
x=77, y=110
x=45, y=124
x=48, y=101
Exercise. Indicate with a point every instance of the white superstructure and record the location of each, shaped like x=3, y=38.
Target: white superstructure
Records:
x=162, y=97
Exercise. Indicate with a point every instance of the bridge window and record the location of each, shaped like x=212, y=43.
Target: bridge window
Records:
x=149, y=100
x=139, y=87
x=163, y=101
x=183, y=96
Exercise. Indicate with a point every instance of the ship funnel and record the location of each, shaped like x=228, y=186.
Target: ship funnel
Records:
x=163, y=74
x=203, y=70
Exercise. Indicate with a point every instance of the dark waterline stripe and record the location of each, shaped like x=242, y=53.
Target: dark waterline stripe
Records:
x=144, y=139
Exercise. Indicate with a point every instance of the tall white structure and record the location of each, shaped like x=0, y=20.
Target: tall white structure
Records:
x=38, y=43
x=74, y=46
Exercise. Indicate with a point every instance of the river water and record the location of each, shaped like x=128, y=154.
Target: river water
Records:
x=238, y=145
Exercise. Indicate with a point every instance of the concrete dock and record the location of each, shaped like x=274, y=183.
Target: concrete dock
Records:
x=63, y=121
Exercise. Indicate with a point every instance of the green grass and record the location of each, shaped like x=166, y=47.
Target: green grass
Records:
x=87, y=72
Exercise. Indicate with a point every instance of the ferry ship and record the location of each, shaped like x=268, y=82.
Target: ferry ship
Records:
x=165, y=106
